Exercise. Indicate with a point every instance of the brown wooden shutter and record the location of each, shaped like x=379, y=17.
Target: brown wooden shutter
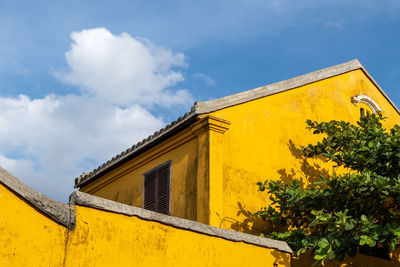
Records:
x=156, y=189
x=150, y=192
x=163, y=189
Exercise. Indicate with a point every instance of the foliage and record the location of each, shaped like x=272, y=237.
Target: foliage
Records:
x=339, y=213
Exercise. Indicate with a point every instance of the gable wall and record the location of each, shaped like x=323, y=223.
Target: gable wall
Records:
x=264, y=138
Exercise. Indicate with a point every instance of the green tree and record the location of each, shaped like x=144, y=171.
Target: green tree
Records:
x=337, y=214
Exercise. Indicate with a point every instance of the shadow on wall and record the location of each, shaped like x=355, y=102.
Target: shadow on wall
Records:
x=310, y=171
x=252, y=224
x=280, y=260
x=307, y=170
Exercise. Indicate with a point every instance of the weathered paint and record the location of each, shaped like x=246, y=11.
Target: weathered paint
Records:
x=263, y=142
x=27, y=237
x=125, y=183
x=251, y=142
x=105, y=238
x=264, y=138
x=190, y=172
x=108, y=239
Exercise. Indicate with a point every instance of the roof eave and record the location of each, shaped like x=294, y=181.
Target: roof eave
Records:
x=140, y=148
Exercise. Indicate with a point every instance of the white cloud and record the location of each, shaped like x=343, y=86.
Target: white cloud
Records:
x=46, y=142
x=122, y=69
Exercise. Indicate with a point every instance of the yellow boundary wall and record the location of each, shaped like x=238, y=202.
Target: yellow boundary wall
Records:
x=92, y=231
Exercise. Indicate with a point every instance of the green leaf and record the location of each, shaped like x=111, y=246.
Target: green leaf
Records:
x=349, y=226
x=319, y=257
x=339, y=212
x=331, y=255
x=323, y=243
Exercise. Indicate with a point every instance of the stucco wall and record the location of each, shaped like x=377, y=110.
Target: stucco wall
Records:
x=264, y=138
x=215, y=169
x=100, y=232
x=108, y=239
x=214, y=172
x=125, y=183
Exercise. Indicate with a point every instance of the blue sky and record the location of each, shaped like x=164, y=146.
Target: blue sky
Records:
x=57, y=93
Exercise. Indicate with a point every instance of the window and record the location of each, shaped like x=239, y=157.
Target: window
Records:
x=362, y=112
x=156, y=189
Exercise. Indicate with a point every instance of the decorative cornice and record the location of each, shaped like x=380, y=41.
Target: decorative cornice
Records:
x=368, y=101
x=210, y=123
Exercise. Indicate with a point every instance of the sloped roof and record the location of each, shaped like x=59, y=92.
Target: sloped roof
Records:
x=213, y=105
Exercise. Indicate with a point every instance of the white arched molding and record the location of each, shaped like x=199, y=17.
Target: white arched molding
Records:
x=367, y=101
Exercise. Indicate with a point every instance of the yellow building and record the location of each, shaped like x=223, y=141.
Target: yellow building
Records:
x=205, y=165
x=202, y=169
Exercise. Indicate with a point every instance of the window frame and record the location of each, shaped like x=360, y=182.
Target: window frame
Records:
x=169, y=162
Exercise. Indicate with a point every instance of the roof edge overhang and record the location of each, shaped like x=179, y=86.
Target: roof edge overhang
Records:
x=136, y=149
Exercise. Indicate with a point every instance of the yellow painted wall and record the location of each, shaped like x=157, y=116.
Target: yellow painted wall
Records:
x=264, y=138
x=28, y=238
x=214, y=173
x=125, y=183
x=262, y=142
x=109, y=239
x=100, y=238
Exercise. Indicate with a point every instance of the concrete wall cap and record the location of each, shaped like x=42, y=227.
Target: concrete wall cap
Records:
x=59, y=212
x=83, y=199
